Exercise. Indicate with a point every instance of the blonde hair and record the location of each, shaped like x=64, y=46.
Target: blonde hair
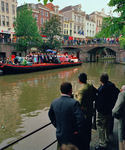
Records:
x=68, y=147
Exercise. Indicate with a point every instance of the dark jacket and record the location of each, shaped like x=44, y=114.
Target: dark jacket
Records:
x=66, y=115
x=107, y=96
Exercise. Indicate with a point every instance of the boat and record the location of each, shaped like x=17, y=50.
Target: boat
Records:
x=18, y=69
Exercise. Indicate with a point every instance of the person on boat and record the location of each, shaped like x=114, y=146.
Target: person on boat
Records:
x=24, y=63
x=67, y=117
x=41, y=58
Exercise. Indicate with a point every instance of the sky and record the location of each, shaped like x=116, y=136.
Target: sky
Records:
x=87, y=5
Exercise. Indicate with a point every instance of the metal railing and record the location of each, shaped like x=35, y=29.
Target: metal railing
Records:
x=27, y=136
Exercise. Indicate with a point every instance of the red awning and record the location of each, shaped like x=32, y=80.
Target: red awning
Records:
x=70, y=38
x=43, y=35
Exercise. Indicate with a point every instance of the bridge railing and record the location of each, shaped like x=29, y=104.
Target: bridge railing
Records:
x=28, y=136
x=71, y=42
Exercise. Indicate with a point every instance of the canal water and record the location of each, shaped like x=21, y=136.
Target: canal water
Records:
x=25, y=100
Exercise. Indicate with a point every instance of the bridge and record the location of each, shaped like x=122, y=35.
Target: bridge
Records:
x=82, y=51
x=90, y=51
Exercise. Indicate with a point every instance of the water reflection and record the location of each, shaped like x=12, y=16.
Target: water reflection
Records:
x=24, y=97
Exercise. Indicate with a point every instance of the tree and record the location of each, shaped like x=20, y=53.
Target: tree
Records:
x=115, y=24
x=45, y=1
x=26, y=29
x=52, y=29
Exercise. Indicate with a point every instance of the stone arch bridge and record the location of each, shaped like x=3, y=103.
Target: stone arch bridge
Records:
x=90, y=51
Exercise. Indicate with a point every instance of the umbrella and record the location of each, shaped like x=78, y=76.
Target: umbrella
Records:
x=48, y=50
x=53, y=51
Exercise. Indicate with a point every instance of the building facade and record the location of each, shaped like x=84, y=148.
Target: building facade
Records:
x=68, y=28
x=54, y=10
x=98, y=17
x=78, y=16
x=7, y=15
x=90, y=27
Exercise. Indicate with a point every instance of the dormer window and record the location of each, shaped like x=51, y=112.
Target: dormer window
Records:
x=79, y=10
x=56, y=10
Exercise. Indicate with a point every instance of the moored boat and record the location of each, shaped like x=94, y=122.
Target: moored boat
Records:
x=18, y=69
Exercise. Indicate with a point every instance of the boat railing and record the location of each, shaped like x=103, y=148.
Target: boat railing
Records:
x=28, y=136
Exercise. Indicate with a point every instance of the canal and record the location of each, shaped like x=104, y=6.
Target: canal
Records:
x=25, y=100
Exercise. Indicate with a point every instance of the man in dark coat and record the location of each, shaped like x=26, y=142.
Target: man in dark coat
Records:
x=86, y=96
x=67, y=117
x=105, y=102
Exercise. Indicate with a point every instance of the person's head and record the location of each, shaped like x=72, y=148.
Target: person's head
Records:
x=82, y=77
x=66, y=88
x=68, y=147
x=104, y=78
x=123, y=88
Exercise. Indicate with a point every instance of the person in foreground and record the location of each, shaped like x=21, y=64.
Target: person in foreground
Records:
x=86, y=95
x=107, y=95
x=67, y=117
x=119, y=113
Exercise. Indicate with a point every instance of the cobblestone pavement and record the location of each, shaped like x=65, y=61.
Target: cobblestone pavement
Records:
x=113, y=143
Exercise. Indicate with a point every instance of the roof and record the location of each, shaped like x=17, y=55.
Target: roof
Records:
x=50, y=6
x=66, y=8
x=88, y=17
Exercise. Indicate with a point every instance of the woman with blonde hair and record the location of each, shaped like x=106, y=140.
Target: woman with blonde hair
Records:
x=68, y=147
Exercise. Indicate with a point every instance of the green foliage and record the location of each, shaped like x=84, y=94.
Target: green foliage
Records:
x=113, y=26
x=122, y=42
x=52, y=29
x=45, y=1
x=26, y=29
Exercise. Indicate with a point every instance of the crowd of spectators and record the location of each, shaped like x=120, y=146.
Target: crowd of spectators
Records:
x=90, y=41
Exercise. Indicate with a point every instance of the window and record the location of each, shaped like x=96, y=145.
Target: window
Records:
x=74, y=29
x=74, y=18
x=87, y=32
x=7, y=8
x=93, y=26
x=79, y=10
x=0, y=20
x=70, y=32
x=64, y=31
x=82, y=20
x=81, y=28
x=46, y=14
x=7, y=21
x=70, y=25
x=36, y=17
x=87, y=25
x=78, y=19
x=97, y=23
x=2, y=6
x=42, y=13
x=65, y=19
x=3, y=20
x=64, y=25
x=67, y=25
x=90, y=26
x=42, y=20
x=13, y=9
x=56, y=10
x=78, y=29
x=67, y=31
